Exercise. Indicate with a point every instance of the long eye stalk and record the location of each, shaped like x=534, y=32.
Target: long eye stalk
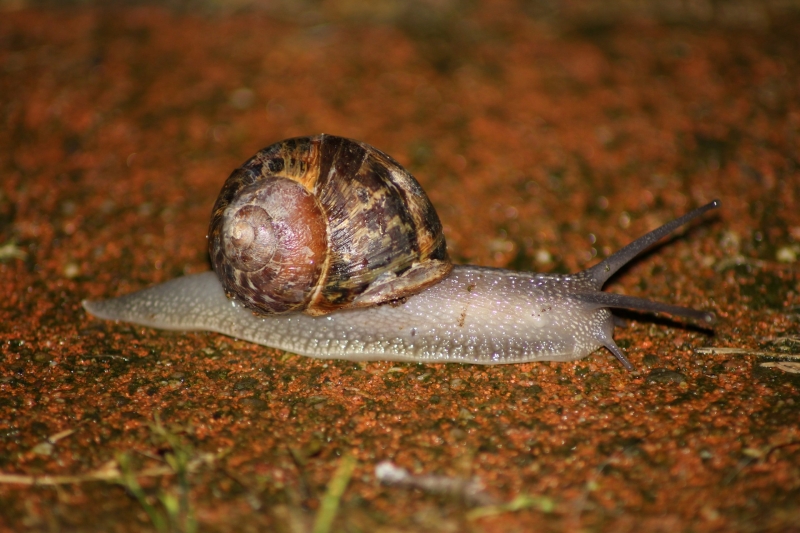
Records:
x=609, y=266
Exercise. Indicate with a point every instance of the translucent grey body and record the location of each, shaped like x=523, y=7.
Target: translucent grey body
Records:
x=475, y=315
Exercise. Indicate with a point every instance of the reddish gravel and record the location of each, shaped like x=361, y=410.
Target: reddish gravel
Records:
x=544, y=145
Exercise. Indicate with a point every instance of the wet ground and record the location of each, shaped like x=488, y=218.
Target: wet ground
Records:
x=545, y=139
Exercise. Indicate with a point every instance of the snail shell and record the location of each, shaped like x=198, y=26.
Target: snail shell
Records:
x=321, y=223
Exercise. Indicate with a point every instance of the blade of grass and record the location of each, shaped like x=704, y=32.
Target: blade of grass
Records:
x=129, y=481
x=523, y=501
x=333, y=495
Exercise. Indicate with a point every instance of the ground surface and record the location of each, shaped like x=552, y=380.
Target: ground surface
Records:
x=544, y=142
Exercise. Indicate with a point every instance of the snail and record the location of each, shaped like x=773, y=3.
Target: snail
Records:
x=369, y=277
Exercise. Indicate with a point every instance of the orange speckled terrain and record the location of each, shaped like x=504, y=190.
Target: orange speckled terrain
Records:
x=546, y=140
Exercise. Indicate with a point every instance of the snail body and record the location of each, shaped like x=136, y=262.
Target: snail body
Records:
x=423, y=310
x=475, y=315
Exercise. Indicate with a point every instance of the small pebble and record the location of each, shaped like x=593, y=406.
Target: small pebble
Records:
x=663, y=375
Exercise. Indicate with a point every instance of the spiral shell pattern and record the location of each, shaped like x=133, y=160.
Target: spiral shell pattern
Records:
x=321, y=223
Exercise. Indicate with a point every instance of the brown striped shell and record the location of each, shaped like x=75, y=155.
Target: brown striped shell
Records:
x=321, y=223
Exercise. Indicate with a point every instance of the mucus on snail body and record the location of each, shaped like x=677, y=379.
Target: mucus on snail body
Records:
x=327, y=247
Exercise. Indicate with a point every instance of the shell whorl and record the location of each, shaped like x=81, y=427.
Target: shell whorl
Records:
x=323, y=223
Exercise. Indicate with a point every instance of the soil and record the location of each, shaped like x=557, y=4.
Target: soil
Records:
x=546, y=139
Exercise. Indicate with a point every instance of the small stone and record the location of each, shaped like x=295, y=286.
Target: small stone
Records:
x=42, y=357
x=71, y=270
x=254, y=403
x=650, y=359
x=663, y=375
x=43, y=448
x=786, y=254
x=246, y=384
x=543, y=257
